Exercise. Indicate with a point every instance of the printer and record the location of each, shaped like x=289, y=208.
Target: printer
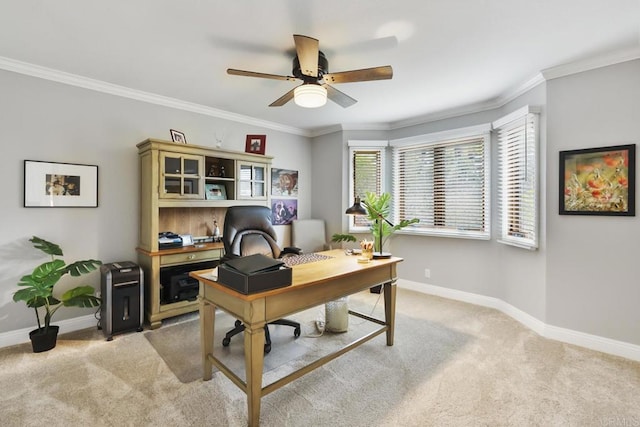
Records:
x=167, y=240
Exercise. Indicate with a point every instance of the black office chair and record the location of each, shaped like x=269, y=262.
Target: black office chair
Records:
x=248, y=231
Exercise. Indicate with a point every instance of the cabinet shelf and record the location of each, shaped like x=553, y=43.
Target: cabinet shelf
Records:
x=218, y=178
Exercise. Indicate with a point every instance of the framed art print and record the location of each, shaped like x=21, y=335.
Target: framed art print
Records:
x=283, y=211
x=60, y=185
x=598, y=181
x=284, y=182
x=255, y=144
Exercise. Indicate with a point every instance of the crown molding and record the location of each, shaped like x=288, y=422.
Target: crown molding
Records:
x=574, y=67
x=51, y=74
x=325, y=130
x=349, y=126
x=444, y=114
x=520, y=90
x=587, y=64
x=479, y=107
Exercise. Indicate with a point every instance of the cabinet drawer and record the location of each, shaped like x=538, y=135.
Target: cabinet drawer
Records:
x=190, y=257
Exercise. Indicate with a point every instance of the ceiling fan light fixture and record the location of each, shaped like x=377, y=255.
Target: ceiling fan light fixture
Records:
x=310, y=95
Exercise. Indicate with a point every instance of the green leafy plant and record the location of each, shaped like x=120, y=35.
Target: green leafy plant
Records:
x=37, y=288
x=378, y=210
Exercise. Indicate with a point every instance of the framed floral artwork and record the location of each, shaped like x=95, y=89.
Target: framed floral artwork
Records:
x=598, y=181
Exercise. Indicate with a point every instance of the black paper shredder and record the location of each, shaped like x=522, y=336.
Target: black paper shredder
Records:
x=122, y=287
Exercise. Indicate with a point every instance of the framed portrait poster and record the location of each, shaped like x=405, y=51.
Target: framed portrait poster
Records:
x=284, y=182
x=60, y=185
x=255, y=144
x=283, y=211
x=598, y=181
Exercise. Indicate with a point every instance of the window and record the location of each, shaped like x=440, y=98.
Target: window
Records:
x=517, y=136
x=366, y=171
x=443, y=180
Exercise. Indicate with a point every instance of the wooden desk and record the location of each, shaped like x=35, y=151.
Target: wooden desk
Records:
x=313, y=284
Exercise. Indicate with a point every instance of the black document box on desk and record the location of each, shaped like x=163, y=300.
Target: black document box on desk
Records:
x=253, y=274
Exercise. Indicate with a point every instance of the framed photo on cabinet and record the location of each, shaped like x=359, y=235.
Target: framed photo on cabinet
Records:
x=215, y=192
x=177, y=136
x=256, y=144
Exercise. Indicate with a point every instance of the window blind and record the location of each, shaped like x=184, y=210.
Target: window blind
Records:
x=517, y=181
x=446, y=185
x=367, y=177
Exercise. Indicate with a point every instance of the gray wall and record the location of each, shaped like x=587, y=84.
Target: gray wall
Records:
x=593, y=268
x=584, y=276
x=476, y=266
x=44, y=120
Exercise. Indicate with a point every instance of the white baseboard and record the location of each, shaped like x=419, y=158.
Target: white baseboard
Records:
x=593, y=342
x=22, y=335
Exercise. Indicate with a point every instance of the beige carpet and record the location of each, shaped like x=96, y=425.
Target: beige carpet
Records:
x=453, y=364
x=179, y=344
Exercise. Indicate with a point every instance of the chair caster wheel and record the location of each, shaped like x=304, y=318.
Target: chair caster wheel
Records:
x=267, y=348
x=225, y=342
x=296, y=332
x=238, y=323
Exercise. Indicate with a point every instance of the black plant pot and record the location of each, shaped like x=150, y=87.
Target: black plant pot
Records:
x=41, y=341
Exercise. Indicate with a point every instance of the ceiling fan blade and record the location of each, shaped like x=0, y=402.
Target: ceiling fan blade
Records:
x=338, y=97
x=235, y=72
x=283, y=99
x=307, y=50
x=366, y=74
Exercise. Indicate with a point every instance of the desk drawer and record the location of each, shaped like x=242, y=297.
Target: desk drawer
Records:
x=190, y=257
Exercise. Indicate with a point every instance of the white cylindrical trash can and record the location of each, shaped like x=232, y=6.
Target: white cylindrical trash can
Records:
x=337, y=315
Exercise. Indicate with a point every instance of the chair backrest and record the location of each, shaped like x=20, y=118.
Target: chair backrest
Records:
x=248, y=231
x=309, y=235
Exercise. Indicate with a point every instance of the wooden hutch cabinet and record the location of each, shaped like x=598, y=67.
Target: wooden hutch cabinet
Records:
x=184, y=189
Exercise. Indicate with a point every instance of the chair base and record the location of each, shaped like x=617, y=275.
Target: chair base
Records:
x=239, y=327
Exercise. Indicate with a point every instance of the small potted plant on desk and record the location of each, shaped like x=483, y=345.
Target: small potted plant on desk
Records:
x=377, y=209
x=37, y=292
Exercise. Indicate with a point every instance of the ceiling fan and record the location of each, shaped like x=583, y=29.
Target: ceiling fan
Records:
x=312, y=67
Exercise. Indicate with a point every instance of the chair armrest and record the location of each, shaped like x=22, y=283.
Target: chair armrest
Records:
x=290, y=250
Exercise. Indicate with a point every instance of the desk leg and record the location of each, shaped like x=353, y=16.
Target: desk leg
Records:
x=254, y=359
x=207, y=325
x=390, y=310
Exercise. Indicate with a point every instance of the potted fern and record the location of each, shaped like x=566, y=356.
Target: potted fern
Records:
x=37, y=291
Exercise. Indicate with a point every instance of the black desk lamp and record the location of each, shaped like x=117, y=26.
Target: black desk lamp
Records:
x=357, y=209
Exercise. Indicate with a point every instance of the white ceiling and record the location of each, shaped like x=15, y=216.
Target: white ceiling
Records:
x=447, y=55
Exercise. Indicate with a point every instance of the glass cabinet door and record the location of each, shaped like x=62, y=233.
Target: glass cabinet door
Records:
x=252, y=181
x=181, y=176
